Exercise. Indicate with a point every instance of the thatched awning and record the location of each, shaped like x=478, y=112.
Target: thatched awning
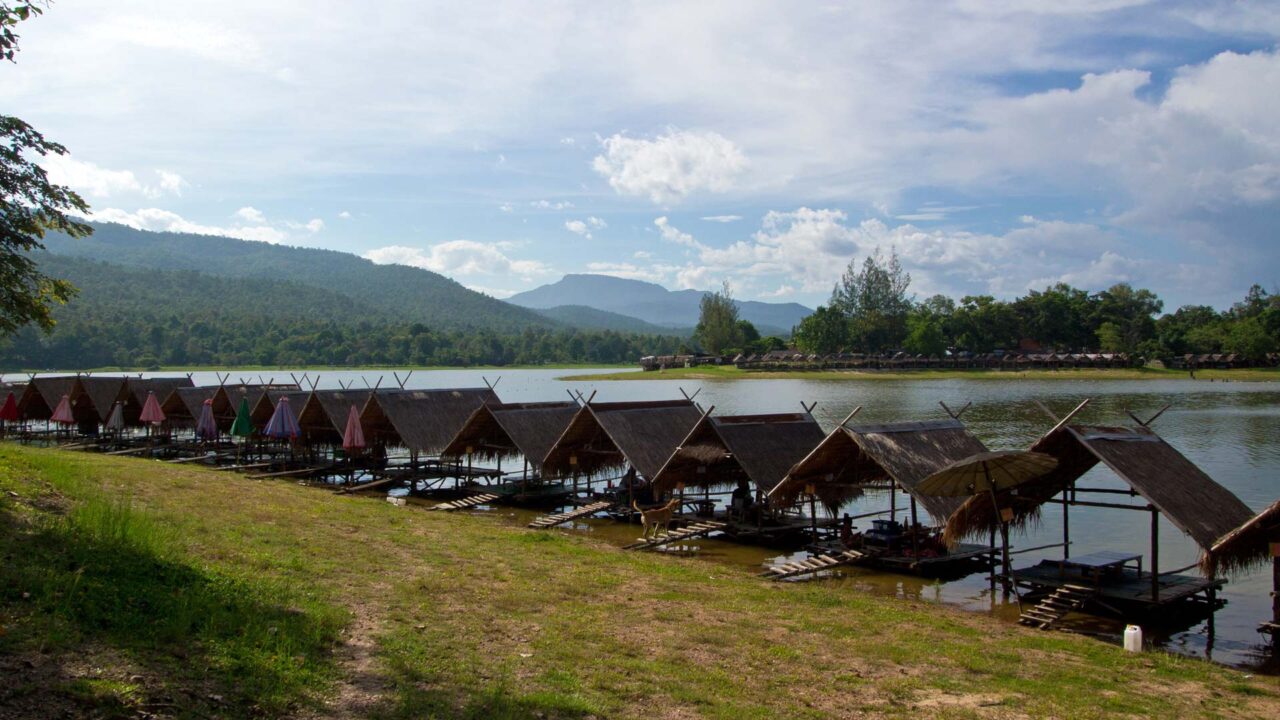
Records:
x=138, y=388
x=42, y=395
x=183, y=404
x=323, y=413
x=1164, y=477
x=103, y=393
x=719, y=451
x=611, y=436
x=1245, y=547
x=226, y=399
x=422, y=420
x=509, y=430
x=906, y=453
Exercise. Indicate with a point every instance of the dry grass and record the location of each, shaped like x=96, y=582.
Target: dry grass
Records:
x=466, y=616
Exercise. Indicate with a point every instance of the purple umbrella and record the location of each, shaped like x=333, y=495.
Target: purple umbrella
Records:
x=283, y=425
x=206, y=426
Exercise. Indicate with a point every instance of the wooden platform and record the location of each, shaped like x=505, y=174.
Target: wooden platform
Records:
x=695, y=529
x=813, y=564
x=467, y=502
x=1126, y=586
x=547, y=521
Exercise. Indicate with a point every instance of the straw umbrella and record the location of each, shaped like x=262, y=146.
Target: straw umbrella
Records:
x=986, y=473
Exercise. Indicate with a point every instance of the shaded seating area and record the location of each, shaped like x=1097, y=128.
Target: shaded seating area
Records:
x=514, y=431
x=422, y=422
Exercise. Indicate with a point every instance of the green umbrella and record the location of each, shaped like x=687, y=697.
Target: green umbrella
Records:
x=242, y=427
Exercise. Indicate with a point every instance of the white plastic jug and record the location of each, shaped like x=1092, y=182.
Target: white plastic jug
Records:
x=1132, y=638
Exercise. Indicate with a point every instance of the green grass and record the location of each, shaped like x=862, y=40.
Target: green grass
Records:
x=190, y=584
x=729, y=372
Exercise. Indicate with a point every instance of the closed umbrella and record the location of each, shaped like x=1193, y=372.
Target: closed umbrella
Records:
x=353, y=436
x=62, y=413
x=151, y=412
x=283, y=424
x=115, y=420
x=9, y=412
x=206, y=426
x=986, y=473
x=243, y=425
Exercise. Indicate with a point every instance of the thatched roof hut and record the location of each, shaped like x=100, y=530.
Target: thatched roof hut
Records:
x=323, y=415
x=163, y=387
x=851, y=458
x=720, y=451
x=1247, y=546
x=104, y=392
x=421, y=420
x=1161, y=475
x=261, y=409
x=43, y=394
x=226, y=399
x=182, y=407
x=613, y=436
x=510, y=430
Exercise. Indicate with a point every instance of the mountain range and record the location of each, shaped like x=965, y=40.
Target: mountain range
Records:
x=653, y=303
x=281, y=275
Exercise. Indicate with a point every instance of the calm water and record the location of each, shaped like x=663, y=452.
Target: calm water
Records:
x=1228, y=429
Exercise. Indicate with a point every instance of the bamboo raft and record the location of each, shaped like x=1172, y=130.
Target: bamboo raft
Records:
x=466, y=502
x=814, y=564
x=697, y=529
x=547, y=521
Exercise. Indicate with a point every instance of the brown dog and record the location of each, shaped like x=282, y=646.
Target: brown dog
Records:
x=656, y=518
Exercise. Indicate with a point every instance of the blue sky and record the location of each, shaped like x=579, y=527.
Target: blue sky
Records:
x=997, y=146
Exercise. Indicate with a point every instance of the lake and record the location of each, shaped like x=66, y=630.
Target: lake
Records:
x=1227, y=428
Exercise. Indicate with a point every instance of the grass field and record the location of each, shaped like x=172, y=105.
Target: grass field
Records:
x=728, y=372
x=132, y=587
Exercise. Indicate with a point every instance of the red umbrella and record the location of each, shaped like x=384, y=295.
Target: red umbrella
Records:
x=151, y=412
x=62, y=414
x=353, y=436
x=10, y=409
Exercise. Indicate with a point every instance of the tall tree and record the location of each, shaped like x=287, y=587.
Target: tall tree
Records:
x=874, y=299
x=30, y=206
x=824, y=331
x=717, y=328
x=1131, y=313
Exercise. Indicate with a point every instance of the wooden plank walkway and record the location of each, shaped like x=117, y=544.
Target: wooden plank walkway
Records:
x=701, y=528
x=466, y=502
x=1056, y=605
x=546, y=521
x=813, y=564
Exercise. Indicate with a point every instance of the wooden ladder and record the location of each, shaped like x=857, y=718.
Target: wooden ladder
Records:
x=466, y=502
x=813, y=564
x=1056, y=605
x=688, y=532
x=545, y=521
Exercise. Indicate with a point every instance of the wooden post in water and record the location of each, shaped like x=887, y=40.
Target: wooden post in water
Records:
x=1155, y=555
x=992, y=560
x=915, y=540
x=1066, y=525
x=893, y=500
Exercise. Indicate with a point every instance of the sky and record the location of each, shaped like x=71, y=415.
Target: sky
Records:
x=996, y=147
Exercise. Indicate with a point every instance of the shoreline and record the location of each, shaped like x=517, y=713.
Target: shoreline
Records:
x=725, y=372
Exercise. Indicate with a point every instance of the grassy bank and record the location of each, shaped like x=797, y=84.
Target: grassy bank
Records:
x=131, y=585
x=729, y=372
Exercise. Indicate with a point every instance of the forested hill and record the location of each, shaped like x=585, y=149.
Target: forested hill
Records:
x=143, y=317
x=410, y=294
x=589, y=318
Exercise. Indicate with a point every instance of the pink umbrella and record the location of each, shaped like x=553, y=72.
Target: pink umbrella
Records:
x=62, y=413
x=353, y=436
x=151, y=412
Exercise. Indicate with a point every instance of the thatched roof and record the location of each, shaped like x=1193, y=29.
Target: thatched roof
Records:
x=323, y=415
x=1245, y=547
x=104, y=392
x=1164, y=477
x=508, y=430
x=161, y=386
x=906, y=453
x=719, y=451
x=226, y=399
x=611, y=436
x=421, y=420
x=183, y=404
x=42, y=395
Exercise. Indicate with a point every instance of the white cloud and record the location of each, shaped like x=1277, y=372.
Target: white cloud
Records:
x=671, y=166
x=671, y=234
x=159, y=220
x=459, y=257
x=344, y=215
x=500, y=293
x=578, y=227
x=314, y=225
x=722, y=218
x=506, y=207
x=597, y=223
x=652, y=273
x=549, y=205
x=95, y=181
x=251, y=214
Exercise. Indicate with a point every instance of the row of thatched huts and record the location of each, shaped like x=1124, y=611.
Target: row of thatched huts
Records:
x=796, y=360
x=776, y=470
